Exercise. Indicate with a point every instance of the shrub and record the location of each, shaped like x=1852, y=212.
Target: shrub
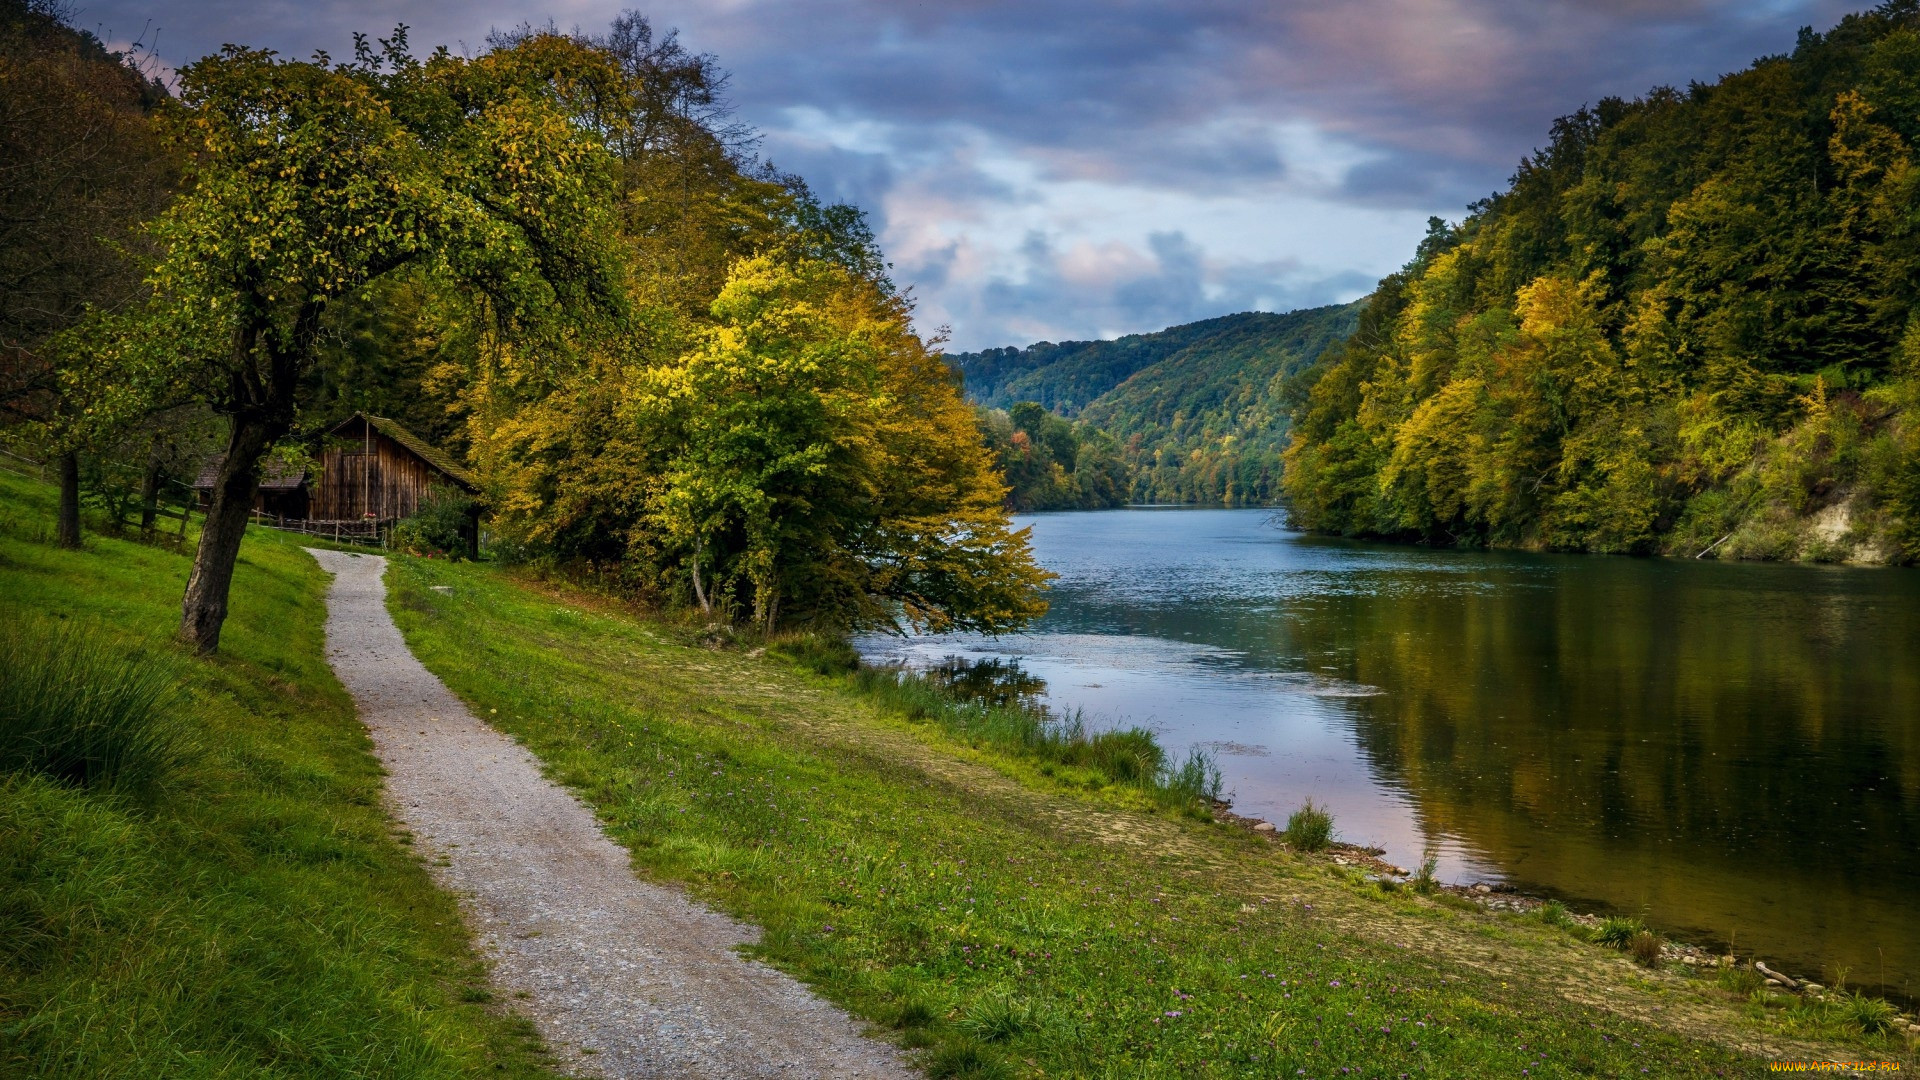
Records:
x=1309, y=828
x=1424, y=882
x=1554, y=913
x=76, y=709
x=1867, y=1015
x=1616, y=932
x=1743, y=981
x=819, y=653
x=441, y=526
x=1644, y=947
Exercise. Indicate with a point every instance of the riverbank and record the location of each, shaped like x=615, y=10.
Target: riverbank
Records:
x=1009, y=922
x=1001, y=921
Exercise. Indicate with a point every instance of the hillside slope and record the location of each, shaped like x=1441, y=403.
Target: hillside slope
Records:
x=1691, y=325
x=1195, y=408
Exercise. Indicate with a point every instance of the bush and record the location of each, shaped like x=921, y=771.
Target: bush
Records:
x=1743, y=981
x=76, y=709
x=818, y=653
x=1554, y=913
x=1309, y=828
x=443, y=525
x=1424, y=882
x=1644, y=947
x=1617, y=932
x=1867, y=1015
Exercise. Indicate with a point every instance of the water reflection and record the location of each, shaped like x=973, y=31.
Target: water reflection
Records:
x=1732, y=751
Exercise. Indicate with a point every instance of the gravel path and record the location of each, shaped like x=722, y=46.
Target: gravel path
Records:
x=623, y=978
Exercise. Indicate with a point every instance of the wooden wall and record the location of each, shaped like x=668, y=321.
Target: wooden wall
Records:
x=365, y=474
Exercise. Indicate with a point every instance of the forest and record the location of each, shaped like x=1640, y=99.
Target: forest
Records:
x=672, y=366
x=1196, y=412
x=1688, y=326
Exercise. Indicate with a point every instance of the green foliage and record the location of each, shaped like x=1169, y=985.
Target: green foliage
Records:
x=1053, y=464
x=1195, y=413
x=1740, y=980
x=1867, y=1015
x=77, y=707
x=1309, y=828
x=817, y=459
x=1682, y=327
x=1426, y=884
x=1617, y=931
x=997, y=1017
x=442, y=525
x=1127, y=756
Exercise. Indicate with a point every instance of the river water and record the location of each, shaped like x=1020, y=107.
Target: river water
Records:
x=1730, y=751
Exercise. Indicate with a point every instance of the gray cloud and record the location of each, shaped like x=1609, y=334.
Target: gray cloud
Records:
x=1084, y=167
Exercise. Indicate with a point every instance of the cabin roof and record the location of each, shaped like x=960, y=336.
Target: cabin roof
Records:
x=421, y=448
x=275, y=474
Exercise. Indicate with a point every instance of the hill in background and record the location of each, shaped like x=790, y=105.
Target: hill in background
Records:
x=1195, y=412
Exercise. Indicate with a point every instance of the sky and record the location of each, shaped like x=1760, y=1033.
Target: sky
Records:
x=1072, y=169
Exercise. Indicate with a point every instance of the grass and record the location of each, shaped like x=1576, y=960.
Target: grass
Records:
x=998, y=913
x=1125, y=756
x=252, y=912
x=77, y=708
x=1617, y=932
x=1310, y=829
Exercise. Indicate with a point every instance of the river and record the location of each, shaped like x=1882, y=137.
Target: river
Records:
x=1729, y=751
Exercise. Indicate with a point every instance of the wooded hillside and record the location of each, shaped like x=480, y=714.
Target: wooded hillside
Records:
x=1689, y=321
x=1196, y=411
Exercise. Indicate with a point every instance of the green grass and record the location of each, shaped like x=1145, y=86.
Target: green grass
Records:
x=252, y=913
x=1003, y=917
x=78, y=708
x=1310, y=828
x=1125, y=756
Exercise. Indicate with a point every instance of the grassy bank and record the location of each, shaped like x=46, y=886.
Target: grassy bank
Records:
x=1006, y=916
x=247, y=910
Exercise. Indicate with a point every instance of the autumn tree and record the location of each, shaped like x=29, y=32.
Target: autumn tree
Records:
x=308, y=182
x=824, y=466
x=81, y=167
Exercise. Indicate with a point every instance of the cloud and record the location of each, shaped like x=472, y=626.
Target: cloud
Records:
x=1092, y=167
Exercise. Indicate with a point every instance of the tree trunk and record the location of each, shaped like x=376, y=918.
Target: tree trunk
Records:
x=150, y=494
x=67, y=527
x=699, y=593
x=264, y=380
x=205, y=607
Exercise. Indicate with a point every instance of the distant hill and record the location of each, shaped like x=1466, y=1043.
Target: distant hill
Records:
x=1196, y=409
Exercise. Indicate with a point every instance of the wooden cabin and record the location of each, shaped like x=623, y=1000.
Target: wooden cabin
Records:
x=371, y=468
x=283, y=496
x=372, y=473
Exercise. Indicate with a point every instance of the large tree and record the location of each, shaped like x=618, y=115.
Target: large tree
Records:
x=823, y=463
x=309, y=181
x=81, y=167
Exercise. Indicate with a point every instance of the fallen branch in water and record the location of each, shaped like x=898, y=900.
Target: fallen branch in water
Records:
x=1716, y=544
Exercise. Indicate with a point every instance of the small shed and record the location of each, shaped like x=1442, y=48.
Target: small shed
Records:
x=283, y=495
x=372, y=469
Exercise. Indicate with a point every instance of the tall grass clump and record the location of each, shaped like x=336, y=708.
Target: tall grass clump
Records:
x=76, y=709
x=1309, y=828
x=1124, y=756
x=1617, y=932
